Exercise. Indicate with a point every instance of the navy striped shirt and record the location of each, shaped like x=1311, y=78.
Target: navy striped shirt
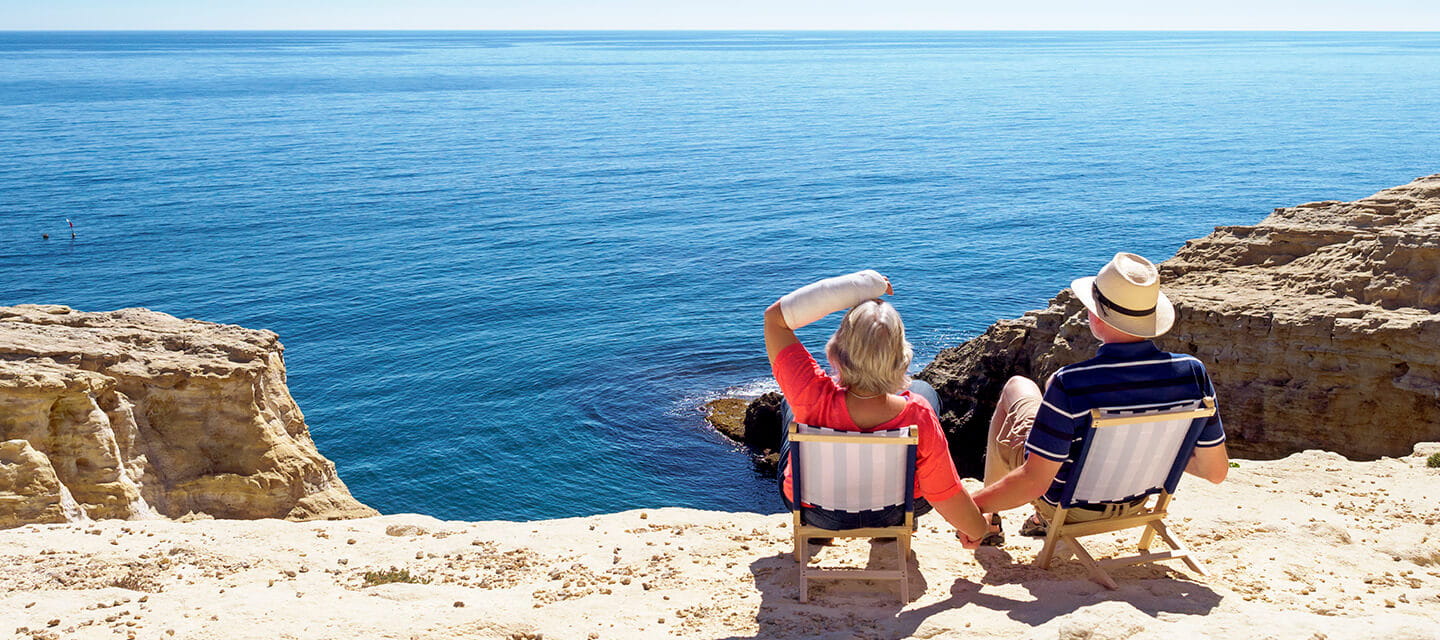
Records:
x=1120, y=374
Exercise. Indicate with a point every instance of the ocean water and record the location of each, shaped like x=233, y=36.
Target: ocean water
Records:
x=508, y=267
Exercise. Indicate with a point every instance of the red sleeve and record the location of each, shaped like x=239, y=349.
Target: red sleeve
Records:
x=803, y=382
x=935, y=476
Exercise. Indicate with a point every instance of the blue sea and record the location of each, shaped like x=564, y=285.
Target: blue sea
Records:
x=509, y=267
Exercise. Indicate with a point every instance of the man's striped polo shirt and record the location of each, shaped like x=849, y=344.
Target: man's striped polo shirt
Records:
x=1120, y=374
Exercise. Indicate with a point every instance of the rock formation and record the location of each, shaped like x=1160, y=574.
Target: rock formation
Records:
x=753, y=423
x=1320, y=327
x=136, y=414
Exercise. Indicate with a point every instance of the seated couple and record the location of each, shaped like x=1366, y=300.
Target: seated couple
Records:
x=1030, y=434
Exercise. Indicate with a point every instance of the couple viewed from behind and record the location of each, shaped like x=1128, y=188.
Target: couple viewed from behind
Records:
x=1033, y=436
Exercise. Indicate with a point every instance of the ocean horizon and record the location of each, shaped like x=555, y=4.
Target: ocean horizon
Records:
x=509, y=267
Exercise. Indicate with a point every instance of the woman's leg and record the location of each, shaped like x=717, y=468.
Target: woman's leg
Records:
x=924, y=390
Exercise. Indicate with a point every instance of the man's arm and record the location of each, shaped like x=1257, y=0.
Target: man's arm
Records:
x=1210, y=463
x=1019, y=487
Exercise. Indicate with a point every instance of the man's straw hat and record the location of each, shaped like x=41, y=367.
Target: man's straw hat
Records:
x=1126, y=295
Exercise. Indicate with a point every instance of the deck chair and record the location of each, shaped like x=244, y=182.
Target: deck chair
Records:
x=852, y=471
x=1128, y=454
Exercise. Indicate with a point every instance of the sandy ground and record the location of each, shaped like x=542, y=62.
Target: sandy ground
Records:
x=1310, y=547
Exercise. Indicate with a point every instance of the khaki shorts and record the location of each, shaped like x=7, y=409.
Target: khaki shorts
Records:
x=1009, y=450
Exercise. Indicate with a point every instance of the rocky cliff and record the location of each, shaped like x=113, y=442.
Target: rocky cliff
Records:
x=137, y=414
x=1320, y=326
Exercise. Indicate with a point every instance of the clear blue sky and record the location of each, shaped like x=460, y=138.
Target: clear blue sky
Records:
x=1416, y=15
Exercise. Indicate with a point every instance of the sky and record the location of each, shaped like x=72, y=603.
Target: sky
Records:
x=1379, y=15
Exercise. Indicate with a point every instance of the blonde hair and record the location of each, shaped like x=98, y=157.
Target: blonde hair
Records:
x=869, y=350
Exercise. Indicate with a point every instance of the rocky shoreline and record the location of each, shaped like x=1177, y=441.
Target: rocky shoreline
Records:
x=1319, y=325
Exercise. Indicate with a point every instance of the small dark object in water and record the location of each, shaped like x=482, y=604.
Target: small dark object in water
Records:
x=44, y=236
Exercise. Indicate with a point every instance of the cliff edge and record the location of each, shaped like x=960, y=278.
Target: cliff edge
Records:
x=137, y=414
x=1320, y=328
x=1307, y=547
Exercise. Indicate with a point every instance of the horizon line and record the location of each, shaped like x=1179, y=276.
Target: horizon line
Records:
x=691, y=30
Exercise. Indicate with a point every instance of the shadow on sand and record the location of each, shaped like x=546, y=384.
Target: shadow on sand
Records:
x=845, y=609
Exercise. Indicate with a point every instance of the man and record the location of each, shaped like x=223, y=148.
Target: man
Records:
x=1030, y=436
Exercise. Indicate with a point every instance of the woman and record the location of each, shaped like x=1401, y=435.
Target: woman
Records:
x=869, y=392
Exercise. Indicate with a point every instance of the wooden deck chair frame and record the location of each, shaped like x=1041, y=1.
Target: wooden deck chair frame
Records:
x=901, y=532
x=1151, y=517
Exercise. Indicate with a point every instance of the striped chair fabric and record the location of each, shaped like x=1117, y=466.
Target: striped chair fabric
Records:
x=1126, y=459
x=852, y=476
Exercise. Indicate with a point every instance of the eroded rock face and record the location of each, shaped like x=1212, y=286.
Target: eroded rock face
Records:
x=29, y=490
x=139, y=414
x=1320, y=327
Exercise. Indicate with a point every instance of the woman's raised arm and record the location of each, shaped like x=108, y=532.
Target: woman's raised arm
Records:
x=815, y=301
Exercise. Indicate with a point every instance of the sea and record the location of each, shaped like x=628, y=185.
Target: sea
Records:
x=508, y=268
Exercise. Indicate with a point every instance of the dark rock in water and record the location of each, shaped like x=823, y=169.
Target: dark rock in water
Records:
x=727, y=415
x=762, y=422
x=755, y=424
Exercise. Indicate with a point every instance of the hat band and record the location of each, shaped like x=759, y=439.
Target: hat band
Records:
x=1108, y=304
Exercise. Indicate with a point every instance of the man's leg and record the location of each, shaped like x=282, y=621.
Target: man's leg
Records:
x=1005, y=443
x=1009, y=427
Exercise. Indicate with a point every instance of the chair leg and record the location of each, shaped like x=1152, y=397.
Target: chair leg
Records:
x=1052, y=537
x=904, y=546
x=795, y=526
x=804, y=564
x=1096, y=570
x=1189, y=560
x=1147, y=537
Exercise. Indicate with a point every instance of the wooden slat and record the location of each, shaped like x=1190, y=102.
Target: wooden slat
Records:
x=852, y=574
x=1079, y=529
x=809, y=531
x=1098, y=421
x=1155, y=556
x=819, y=437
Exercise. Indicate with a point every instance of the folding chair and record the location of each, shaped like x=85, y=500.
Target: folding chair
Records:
x=1128, y=454
x=853, y=472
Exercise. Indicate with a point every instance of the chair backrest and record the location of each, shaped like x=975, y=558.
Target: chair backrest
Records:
x=1132, y=452
x=853, y=471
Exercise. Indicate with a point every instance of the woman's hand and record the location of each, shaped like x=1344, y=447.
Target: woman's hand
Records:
x=966, y=541
x=819, y=299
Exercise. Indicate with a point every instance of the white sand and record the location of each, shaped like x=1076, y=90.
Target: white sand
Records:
x=1312, y=546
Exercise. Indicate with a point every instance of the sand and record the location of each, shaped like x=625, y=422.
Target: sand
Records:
x=1312, y=546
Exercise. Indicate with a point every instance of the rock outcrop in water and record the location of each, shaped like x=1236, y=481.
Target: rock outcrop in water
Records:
x=1320, y=326
x=136, y=414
